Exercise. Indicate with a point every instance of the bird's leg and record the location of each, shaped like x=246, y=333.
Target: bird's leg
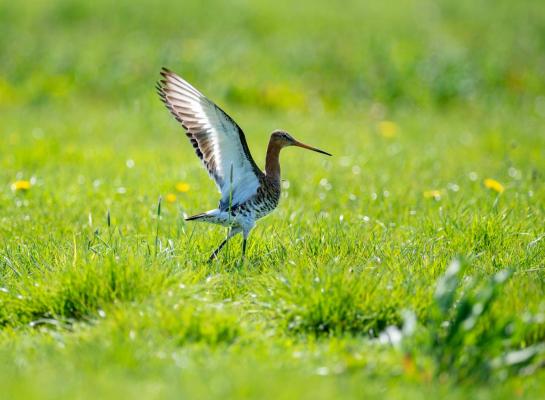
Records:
x=232, y=232
x=244, y=248
x=245, y=234
x=215, y=253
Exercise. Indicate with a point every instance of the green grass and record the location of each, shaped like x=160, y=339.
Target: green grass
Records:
x=102, y=298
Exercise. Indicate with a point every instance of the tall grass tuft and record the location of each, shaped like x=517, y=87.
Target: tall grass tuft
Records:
x=465, y=334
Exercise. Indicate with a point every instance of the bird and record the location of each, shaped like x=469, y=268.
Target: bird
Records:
x=247, y=192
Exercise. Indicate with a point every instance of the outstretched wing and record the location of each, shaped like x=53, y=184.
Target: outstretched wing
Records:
x=218, y=140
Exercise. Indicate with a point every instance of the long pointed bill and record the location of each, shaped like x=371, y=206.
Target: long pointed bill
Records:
x=304, y=146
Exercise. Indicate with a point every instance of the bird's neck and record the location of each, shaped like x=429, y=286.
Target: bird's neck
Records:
x=272, y=161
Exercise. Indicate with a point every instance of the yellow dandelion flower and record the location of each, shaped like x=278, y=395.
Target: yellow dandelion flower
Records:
x=388, y=129
x=432, y=194
x=20, y=185
x=170, y=198
x=182, y=187
x=494, y=185
x=409, y=366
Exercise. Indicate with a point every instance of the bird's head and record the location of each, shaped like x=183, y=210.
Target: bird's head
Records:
x=284, y=139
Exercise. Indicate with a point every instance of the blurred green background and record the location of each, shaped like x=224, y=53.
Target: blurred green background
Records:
x=419, y=101
x=279, y=55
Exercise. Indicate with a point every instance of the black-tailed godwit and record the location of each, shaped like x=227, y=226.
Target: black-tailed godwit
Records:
x=247, y=193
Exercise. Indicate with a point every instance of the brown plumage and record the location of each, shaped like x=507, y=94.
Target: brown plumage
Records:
x=247, y=193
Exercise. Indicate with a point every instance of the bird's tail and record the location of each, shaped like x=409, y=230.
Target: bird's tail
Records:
x=214, y=216
x=196, y=216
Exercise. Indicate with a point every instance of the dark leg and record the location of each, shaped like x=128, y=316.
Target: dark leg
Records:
x=215, y=253
x=243, y=248
x=245, y=234
x=232, y=232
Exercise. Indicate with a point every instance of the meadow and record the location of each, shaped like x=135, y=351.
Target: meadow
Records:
x=409, y=264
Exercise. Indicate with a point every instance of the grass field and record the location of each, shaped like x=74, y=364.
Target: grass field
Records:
x=435, y=114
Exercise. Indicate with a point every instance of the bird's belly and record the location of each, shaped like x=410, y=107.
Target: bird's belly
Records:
x=262, y=212
x=254, y=209
x=263, y=208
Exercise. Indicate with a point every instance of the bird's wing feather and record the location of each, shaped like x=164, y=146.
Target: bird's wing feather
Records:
x=218, y=140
